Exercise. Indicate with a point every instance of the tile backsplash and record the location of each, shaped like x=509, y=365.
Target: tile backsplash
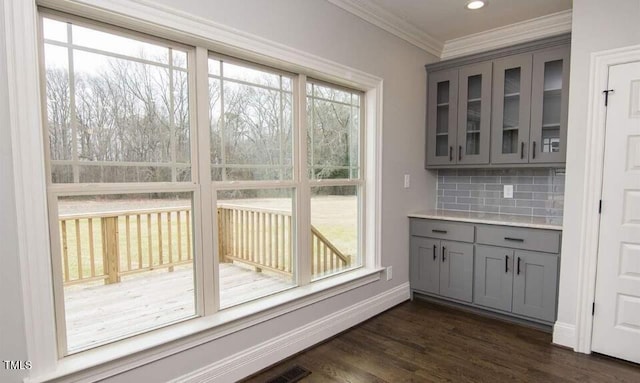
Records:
x=536, y=192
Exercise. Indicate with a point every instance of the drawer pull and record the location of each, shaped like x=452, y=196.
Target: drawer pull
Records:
x=439, y=231
x=443, y=256
x=450, y=153
x=522, y=150
x=506, y=264
x=513, y=239
x=518, y=271
x=434, y=252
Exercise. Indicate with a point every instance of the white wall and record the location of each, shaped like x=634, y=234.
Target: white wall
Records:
x=597, y=25
x=325, y=30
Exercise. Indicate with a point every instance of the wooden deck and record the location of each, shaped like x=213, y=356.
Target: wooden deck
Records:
x=97, y=313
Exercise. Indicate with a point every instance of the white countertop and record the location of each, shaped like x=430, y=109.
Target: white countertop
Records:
x=554, y=223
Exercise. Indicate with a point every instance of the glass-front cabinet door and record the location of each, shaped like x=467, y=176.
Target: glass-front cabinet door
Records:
x=474, y=114
x=511, y=109
x=442, y=107
x=549, y=114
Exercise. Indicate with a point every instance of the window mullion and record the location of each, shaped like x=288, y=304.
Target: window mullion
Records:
x=209, y=281
x=303, y=202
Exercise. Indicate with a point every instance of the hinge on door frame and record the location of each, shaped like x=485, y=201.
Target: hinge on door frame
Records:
x=593, y=309
x=606, y=95
x=600, y=207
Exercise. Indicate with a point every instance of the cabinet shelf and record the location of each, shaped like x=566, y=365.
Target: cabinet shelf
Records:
x=510, y=129
x=551, y=126
x=511, y=95
x=443, y=104
x=441, y=134
x=474, y=100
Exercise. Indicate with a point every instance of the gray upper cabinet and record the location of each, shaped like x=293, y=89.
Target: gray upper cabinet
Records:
x=511, y=110
x=474, y=114
x=549, y=111
x=503, y=107
x=442, y=113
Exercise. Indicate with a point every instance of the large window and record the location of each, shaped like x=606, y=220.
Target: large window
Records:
x=160, y=215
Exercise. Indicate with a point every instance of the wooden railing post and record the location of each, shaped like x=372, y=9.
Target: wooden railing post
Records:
x=110, y=249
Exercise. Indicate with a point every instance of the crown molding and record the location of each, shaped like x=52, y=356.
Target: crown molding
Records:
x=391, y=23
x=528, y=30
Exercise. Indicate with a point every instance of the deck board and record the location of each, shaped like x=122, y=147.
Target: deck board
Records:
x=97, y=313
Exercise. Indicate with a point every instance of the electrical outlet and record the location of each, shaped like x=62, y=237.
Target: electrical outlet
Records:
x=407, y=181
x=389, y=273
x=508, y=191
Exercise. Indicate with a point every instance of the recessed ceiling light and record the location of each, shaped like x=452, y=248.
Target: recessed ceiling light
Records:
x=475, y=4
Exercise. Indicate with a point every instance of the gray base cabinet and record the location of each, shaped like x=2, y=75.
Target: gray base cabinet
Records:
x=534, y=285
x=517, y=281
x=510, y=270
x=442, y=267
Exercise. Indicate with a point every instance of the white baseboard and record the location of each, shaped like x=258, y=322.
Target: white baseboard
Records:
x=260, y=356
x=564, y=334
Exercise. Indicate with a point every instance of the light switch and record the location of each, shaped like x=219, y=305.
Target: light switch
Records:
x=508, y=191
x=407, y=181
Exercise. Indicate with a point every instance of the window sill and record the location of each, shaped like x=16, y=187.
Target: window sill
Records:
x=114, y=358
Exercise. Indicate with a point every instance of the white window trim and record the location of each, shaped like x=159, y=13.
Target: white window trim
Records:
x=22, y=41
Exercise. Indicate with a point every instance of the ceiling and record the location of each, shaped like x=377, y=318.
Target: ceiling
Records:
x=437, y=22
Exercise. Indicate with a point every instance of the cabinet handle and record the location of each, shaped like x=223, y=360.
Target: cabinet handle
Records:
x=439, y=231
x=533, y=151
x=443, y=256
x=434, y=252
x=460, y=153
x=522, y=150
x=450, y=153
x=518, y=269
x=506, y=264
x=513, y=239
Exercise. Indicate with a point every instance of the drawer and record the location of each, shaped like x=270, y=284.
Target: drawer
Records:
x=442, y=229
x=519, y=238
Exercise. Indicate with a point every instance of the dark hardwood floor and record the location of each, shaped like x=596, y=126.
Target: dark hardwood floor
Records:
x=426, y=342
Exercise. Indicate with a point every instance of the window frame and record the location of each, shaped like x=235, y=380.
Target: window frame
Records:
x=29, y=159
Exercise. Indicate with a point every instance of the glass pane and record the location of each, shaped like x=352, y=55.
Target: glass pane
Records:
x=474, y=87
x=511, y=112
x=442, y=119
x=333, y=134
x=251, y=126
x=127, y=264
x=442, y=146
x=255, y=243
x=112, y=43
x=131, y=119
x=443, y=92
x=55, y=30
x=58, y=104
x=551, y=106
x=253, y=76
x=334, y=229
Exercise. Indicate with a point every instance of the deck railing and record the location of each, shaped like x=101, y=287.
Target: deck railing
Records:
x=107, y=246
x=262, y=238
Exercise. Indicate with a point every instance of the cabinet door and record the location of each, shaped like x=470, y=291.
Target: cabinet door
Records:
x=535, y=285
x=425, y=268
x=442, y=109
x=549, y=106
x=511, y=109
x=456, y=270
x=493, y=284
x=474, y=114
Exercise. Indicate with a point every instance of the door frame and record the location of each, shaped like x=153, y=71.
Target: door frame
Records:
x=593, y=181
